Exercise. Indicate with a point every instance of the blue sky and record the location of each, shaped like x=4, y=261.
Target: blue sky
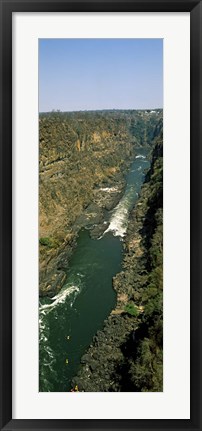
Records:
x=85, y=74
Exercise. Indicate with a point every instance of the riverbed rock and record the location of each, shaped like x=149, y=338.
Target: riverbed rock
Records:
x=92, y=215
x=98, y=230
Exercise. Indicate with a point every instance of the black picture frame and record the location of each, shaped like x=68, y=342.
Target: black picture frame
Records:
x=7, y=7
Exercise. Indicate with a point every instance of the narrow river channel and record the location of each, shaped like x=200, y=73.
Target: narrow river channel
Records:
x=68, y=321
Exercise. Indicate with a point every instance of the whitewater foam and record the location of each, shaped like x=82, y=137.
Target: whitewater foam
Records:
x=140, y=156
x=119, y=219
x=59, y=298
x=109, y=189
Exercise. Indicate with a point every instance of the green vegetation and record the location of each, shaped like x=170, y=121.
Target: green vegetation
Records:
x=48, y=242
x=131, y=309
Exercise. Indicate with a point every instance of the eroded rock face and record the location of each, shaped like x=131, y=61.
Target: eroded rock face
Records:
x=83, y=158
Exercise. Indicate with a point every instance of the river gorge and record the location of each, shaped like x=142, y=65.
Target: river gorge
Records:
x=70, y=319
x=100, y=239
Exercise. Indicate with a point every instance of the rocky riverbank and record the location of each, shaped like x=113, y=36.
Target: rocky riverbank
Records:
x=127, y=355
x=83, y=159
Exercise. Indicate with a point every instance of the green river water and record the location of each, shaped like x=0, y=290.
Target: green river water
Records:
x=69, y=320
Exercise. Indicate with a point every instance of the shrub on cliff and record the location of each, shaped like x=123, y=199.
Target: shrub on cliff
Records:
x=48, y=242
x=131, y=309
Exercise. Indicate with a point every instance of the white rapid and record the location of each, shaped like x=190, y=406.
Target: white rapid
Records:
x=119, y=219
x=60, y=298
x=49, y=364
x=140, y=156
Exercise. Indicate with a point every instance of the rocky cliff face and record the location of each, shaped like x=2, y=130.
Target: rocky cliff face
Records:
x=127, y=354
x=81, y=154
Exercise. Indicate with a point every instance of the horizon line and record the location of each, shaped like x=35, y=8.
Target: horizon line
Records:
x=58, y=111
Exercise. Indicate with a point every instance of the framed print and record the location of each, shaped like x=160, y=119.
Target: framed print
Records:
x=100, y=205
